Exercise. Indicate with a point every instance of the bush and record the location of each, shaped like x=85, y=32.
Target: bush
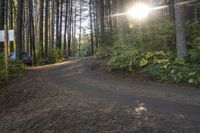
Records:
x=85, y=50
x=54, y=55
x=104, y=52
x=186, y=73
x=151, y=48
x=123, y=58
x=15, y=67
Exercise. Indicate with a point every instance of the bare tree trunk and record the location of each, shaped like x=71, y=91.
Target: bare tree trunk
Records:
x=11, y=24
x=2, y=7
x=91, y=28
x=98, y=19
x=171, y=9
x=70, y=29
x=57, y=23
x=102, y=24
x=60, y=29
x=66, y=26
x=180, y=31
x=80, y=28
x=46, y=27
x=74, y=29
x=32, y=34
x=27, y=20
x=110, y=14
x=52, y=24
x=41, y=28
x=19, y=29
x=94, y=13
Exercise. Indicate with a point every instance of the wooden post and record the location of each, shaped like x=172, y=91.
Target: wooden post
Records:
x=6, y=50
x=6, y=40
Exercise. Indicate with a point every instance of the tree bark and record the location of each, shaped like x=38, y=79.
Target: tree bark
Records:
x=57, y=24
x=80, y=27
x=19, y=36
x=60, y=29
x=2, y=8
x=180, y=31
x=41, y=28
x=91, y=28
x=52, y=24
x=66, y=26
x=46, y=26
x=11, y=24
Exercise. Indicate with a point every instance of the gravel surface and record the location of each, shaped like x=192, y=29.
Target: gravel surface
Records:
x=71, y=98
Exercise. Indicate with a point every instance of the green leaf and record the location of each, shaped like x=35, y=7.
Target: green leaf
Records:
x=143, y=62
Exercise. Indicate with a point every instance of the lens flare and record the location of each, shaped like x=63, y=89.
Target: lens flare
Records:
x=139, y=11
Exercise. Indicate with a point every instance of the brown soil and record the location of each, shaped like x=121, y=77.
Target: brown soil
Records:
x=37, y=102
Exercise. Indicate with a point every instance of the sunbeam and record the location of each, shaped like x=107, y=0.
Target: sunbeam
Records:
x=141, y=10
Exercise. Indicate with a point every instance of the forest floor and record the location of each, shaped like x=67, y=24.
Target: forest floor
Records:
x=76, y=97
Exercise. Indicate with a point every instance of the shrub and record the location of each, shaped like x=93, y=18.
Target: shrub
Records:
x=15, y=67
x=104, y=52
x=123, y=58
x=54, y=55
x=152, y=49
x=85, y=50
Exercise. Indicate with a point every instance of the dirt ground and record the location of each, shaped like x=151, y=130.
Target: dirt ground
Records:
x=72, y=97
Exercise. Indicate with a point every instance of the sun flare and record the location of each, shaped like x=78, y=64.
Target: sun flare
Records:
x=139, y=11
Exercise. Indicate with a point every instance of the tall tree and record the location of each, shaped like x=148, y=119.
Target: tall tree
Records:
x=60, y=28
x=91, y=27
x=57, y=24
x=52, y=23
x=66, y=26
x=19, y=36
x=80, y=26
x=46, y=26
x=32, y=31
x=2, y=8
x=180, y=31
x=70, y=28
x=41, y=27
x=11, y=4
x=171, y=9
x=102, y=18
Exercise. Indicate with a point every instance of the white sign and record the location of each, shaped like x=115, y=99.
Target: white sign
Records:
x=11, y=36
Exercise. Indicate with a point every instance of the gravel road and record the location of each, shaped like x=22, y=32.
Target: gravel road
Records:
x=73, y=98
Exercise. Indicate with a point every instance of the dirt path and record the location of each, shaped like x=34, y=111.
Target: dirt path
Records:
x=70, y=97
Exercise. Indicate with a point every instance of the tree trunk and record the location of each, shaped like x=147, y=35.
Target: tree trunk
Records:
x=57, y=24
x=52, y=24
x=11, y=24
x=31, y=30
x=171, y=9
x=91, y=28
x=70, y=29
x=2, y=8
x=19, y=36
x=66, y=26
x=102, y=24
x=60, y=29
x=41, y=28
x=80, y=30
x=46, y=27
x=180, y=31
